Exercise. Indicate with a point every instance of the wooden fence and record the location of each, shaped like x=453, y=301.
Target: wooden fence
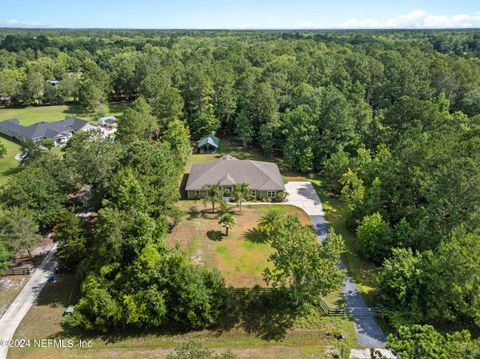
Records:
x=339, y=311
x=19, y=271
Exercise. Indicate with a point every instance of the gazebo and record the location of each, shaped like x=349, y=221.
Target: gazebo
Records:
x=208, y=144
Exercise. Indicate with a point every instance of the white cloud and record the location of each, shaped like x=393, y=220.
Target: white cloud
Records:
x=417, y=19
x=23, y=24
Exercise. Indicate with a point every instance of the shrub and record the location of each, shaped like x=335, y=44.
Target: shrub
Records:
x=423, y=341
x=280, y=196
x=374, y=237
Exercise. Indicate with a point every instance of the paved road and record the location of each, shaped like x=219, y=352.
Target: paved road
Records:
x=27, y=296
x=303, y=195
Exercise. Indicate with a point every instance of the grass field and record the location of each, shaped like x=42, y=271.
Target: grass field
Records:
x=8, y=164
x=30, y=115
x=241, y=256
x=33, y=114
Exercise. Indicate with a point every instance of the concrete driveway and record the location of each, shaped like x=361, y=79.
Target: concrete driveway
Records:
x=304, y=196
x=25, y=299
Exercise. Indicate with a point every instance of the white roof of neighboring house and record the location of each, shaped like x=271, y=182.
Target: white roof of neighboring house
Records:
x=108, y=119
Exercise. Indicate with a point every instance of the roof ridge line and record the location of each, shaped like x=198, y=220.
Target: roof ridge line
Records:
x=261, y=169
x=213, y=163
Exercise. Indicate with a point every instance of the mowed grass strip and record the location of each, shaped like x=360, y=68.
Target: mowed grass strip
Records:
x=309, y=335
x=8, y=164
x=313, y=337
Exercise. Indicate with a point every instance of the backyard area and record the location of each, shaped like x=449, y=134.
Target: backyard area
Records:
x=242, y=255
x=30, y=115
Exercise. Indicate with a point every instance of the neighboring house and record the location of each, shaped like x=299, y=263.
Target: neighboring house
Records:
x=208, y=144
x=110, y=121
x=264, y=178
x=59, y=131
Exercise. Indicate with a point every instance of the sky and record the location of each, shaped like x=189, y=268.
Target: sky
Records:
x=240, y=14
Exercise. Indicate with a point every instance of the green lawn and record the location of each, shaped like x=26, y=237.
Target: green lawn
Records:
x=30, y=115
x=9, y=288
x=242, y=255
x=8, y=164
x=33, y=114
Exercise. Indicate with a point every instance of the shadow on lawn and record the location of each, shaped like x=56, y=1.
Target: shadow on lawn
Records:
x=255, y=236
x=11, y=171
x=216, y=236
x=266, y=313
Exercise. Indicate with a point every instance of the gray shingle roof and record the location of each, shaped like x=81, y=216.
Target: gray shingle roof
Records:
x=228, y=170
x=42, y=129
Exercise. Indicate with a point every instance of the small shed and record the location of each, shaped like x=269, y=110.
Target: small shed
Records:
x=108, y=121
x=208, y=144
x=69, y=311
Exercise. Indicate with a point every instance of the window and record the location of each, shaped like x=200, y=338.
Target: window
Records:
x=271, y=194
x=254, y=193
x=197, y=192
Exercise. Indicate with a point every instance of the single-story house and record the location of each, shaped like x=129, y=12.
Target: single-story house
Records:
x=108, y=121
x=263, y=178
x=59, y=131
x=208, y=144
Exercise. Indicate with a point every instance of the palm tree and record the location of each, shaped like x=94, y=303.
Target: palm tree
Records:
x=228, y=221
x=213, y=193
x=270, y=221
x=240, y=192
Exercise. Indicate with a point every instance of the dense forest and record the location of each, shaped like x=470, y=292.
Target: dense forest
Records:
x=389, y=119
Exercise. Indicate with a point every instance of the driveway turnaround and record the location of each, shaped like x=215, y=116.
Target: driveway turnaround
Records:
x=23, y=302
x=370, y=335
